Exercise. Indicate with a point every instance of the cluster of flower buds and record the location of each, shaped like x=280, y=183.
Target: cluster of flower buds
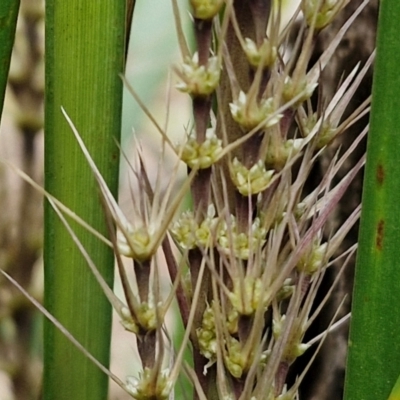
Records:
x=247, y=295
x=280, y=152
x=302, y=90
x=150, y=385
x=250, y=181
x=314, y=259
x=207, y=336
x=294, y=347
x=264, y=55
x=242, y=245
x=320, y=13
x=136, y=243
x=236, y=360
x=199, y=80
x=202, y=155
x=250, y=113
x=189, y=234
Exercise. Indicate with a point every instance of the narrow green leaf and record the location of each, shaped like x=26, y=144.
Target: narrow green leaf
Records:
x=374, y=347
x=84, y=57
x=8, y=21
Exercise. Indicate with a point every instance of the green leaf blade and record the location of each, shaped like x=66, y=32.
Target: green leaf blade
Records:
x=374, y=347
x=8, y=22
x=84, y=57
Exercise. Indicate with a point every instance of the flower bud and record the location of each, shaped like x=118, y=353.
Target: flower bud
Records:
x=199, y=80
x=265, y=54
x=202, y=155
x=325, y=10
x=206, y=9
x=150, y=385
x=250, y=181
x=249, y=113
x=291, y=89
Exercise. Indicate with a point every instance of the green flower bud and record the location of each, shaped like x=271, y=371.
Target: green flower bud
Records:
x=147, y=316
x=199, y=80
x=279, y=154
x=265, y=54
x=189, y=234
x=250, y=181
x=128, y=322
x=326, y=135
x=249, y=113
x=291, y=89
x=235, y=362
x=136, y=244
x=313, y=260
x=150, y=386
x=243, y=244
x=202, y=155
x=293, y=347
x=206, y=335
x=206, y=9
x=325, y=10
x=247, y=295
x=184, y=231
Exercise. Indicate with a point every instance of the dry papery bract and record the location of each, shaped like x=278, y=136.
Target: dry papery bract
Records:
x=246, y=260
